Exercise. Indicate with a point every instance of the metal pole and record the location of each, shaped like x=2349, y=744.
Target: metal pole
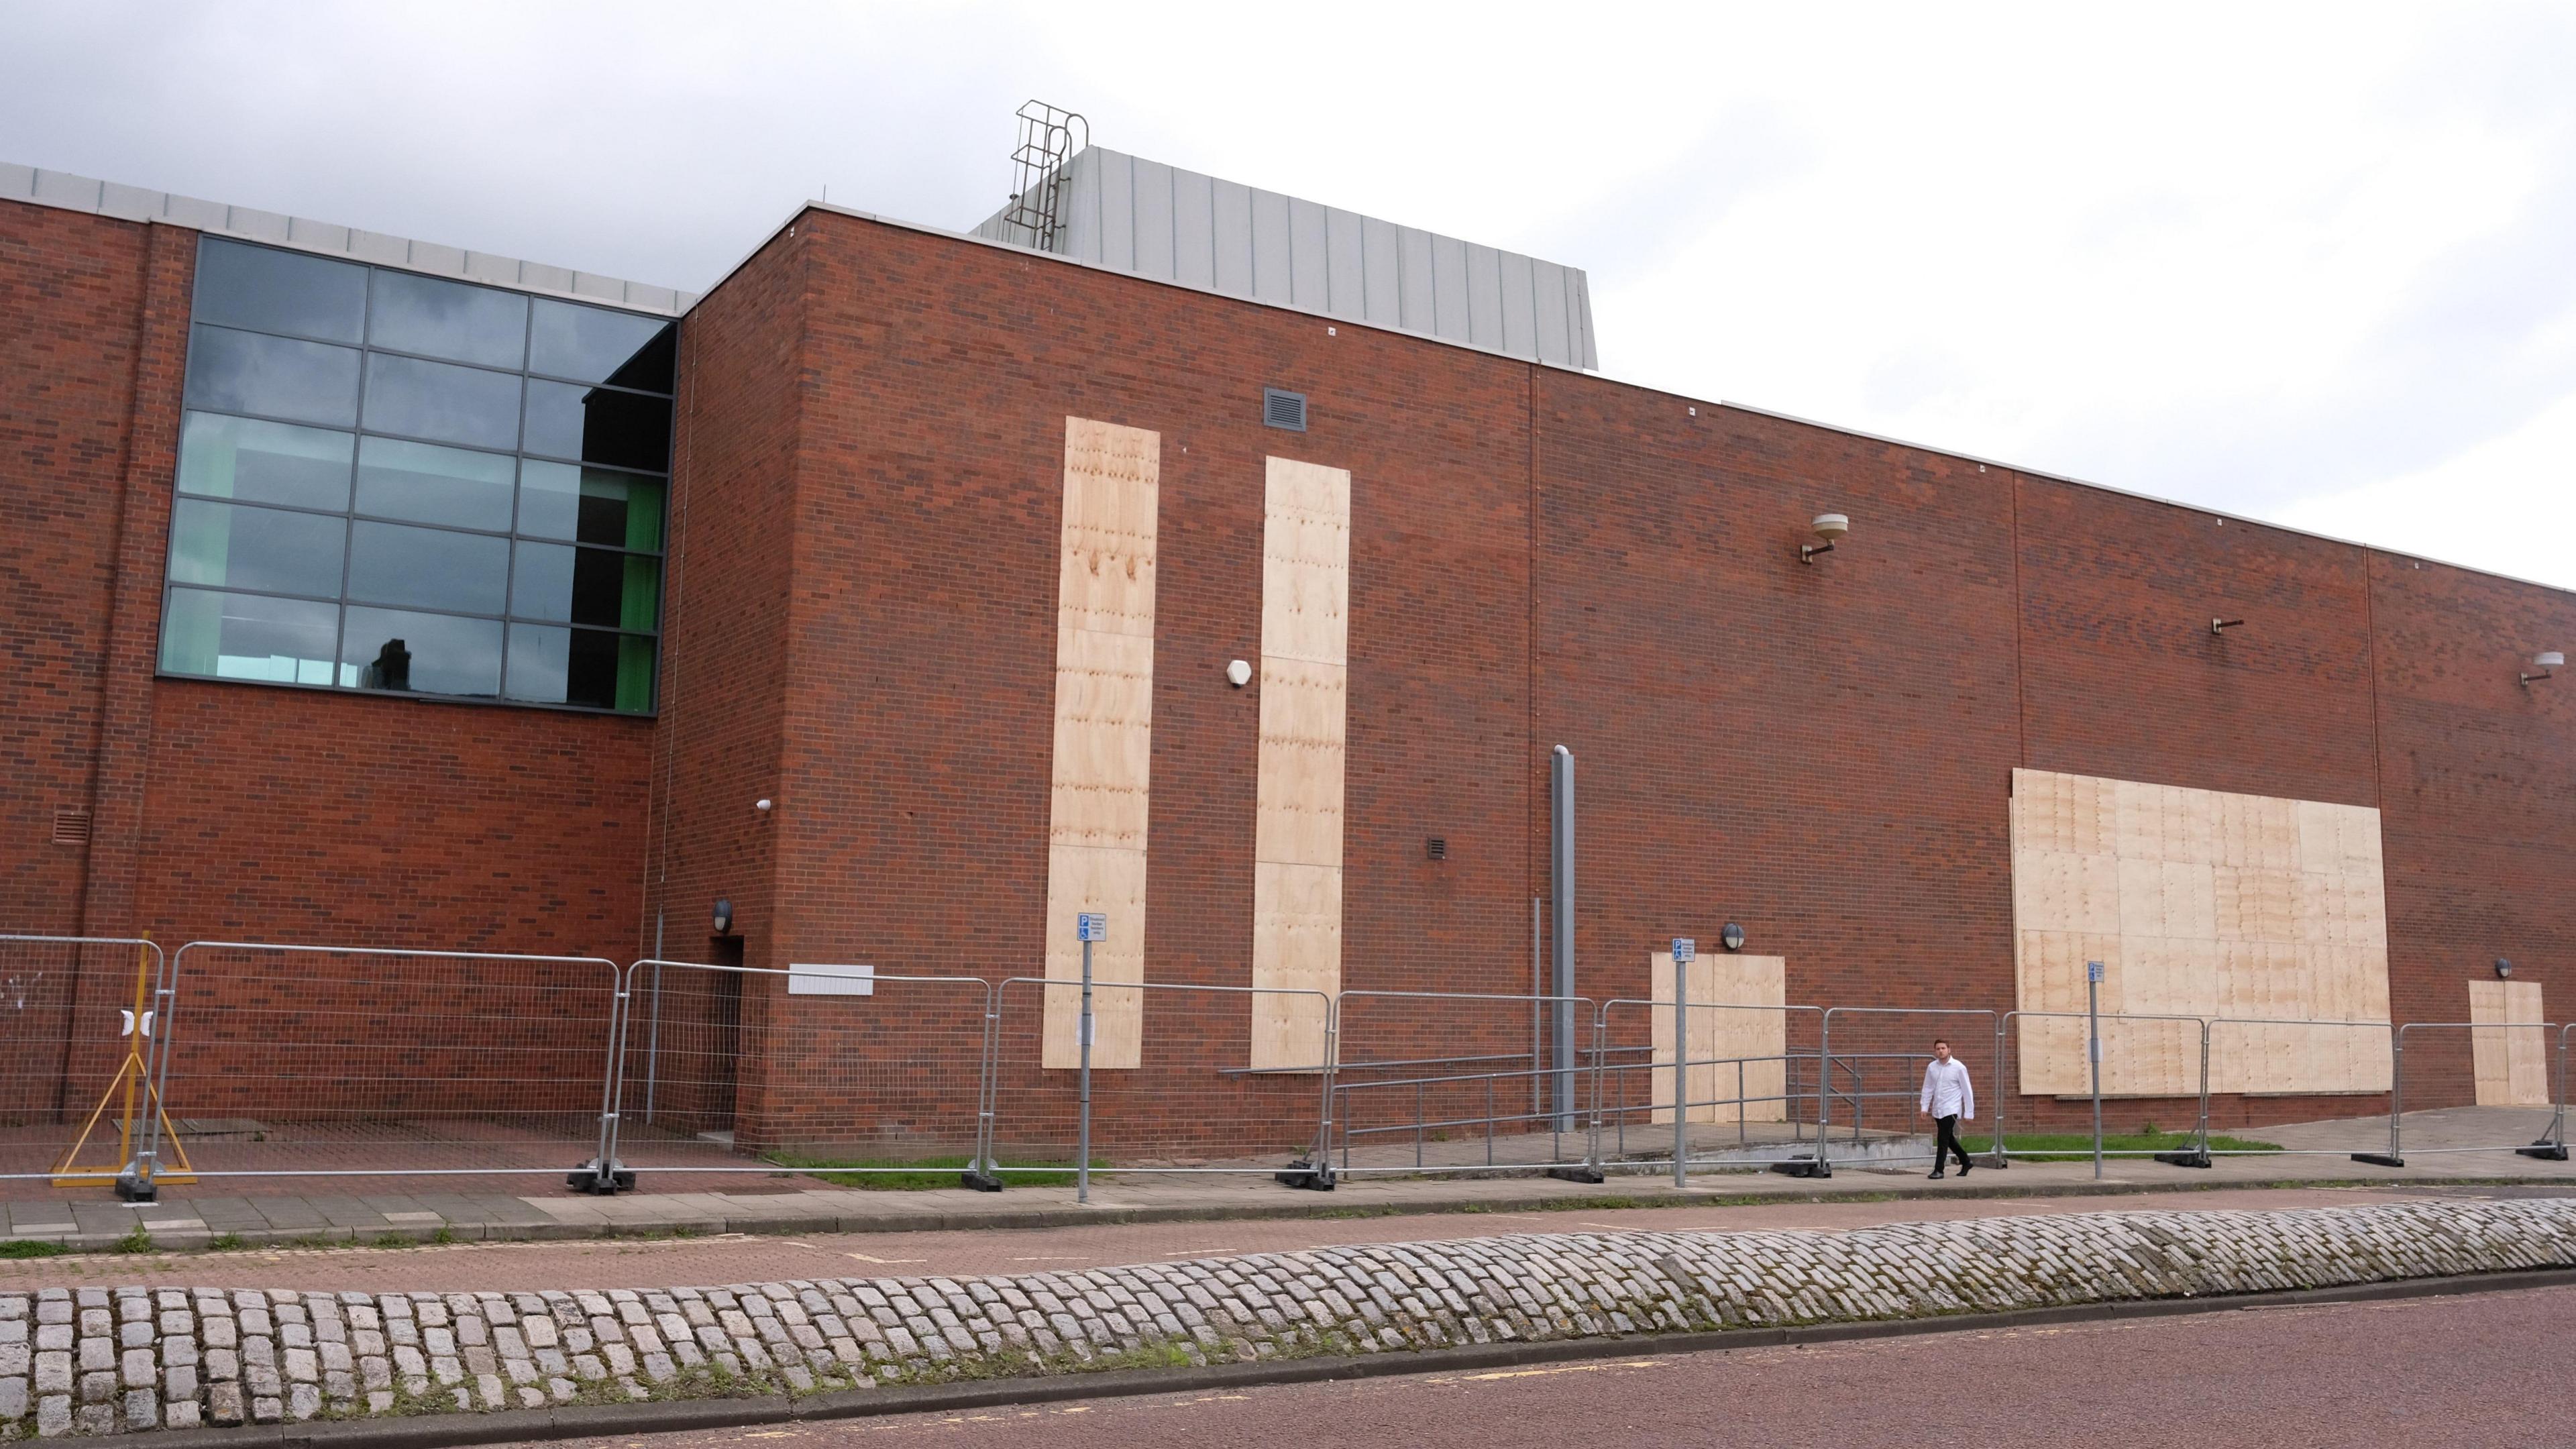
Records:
x=1538, y=1018
x=2093, y=1032
x=1082, y=1151
x=1560, y=879
x=2396, y=1089
x=1681, y=1069
x=653, y=1035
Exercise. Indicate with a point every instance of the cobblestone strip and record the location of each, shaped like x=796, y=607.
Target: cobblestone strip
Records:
x=102, y=1361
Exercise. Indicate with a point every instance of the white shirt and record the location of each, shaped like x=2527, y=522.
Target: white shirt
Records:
x=1946, y=1092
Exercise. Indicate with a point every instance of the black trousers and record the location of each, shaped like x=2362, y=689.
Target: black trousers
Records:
x=1948, y=1143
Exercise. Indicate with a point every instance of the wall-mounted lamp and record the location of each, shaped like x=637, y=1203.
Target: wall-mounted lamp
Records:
x=1731, y=936
x=1828, y=526
x=724, y=916
x=2504, y=968
x=2548, y=662
x=2221, y=626
x=1238, y=674
x=763, y=806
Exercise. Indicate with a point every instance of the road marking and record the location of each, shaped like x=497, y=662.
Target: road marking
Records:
x=1041, y=1258
x=864, y=1258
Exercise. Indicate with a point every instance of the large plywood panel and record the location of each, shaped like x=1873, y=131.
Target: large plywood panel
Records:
x=2509, y=1045
x=2269, y=911
x=1298, y=788
x=1738, y=1034
x=1100, y=800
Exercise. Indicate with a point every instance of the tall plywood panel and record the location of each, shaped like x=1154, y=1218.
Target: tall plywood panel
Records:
x=1305, y=680
x=1738, y=1035
x=1104, y=716
x=2200, y=904
x=2508, y=1044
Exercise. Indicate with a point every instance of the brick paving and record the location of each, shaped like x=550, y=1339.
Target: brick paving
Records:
x=98, y=1360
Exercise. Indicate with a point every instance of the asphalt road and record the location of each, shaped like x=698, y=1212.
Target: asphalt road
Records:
x=663, y=1263
x=2478, y=1369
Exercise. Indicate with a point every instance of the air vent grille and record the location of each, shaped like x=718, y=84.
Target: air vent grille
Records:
x=1437, y=847
x=71, y=826
x=1283, y=409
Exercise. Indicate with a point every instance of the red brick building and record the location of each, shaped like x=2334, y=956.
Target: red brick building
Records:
x=849, y=608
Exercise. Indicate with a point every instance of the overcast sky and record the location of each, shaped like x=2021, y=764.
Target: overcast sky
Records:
x=2316, y=265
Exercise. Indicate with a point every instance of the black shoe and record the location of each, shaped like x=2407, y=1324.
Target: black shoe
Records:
x=1964, y=1166
x=1937, y=1174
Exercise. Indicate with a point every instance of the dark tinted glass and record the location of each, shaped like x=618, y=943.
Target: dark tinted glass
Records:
x=580, y=666
x=430, y=484
x=428, y=567
x=599, y=425
x=275, y=291
x=448, y=319
x=245, y=636
x=436, y=400
x=256, y=462
x=256, y=548
x=246, y=372
x=594, y=345
x=427, y=653
x=594, y=505
x=585, y=586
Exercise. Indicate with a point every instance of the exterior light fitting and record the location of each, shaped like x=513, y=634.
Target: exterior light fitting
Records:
x=2548, y=662
x=2504, y=968
x=1238, y=674
x=2217, y=626
x=1731, y=936
x=724, y=916
x=1829, y=527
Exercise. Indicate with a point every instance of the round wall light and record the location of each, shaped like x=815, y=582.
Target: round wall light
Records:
x=1238, y=674
x=1731, y=936
x=1828, y=526
x=2504, y=968
x=724, y=916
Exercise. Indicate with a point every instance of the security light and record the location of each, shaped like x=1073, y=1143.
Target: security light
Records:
x=724, y=916
x=1829, y=527
x=2504, y=968
x=1731, y=936
x=2548, y=662
x=1238, y=674
x=2221, y=626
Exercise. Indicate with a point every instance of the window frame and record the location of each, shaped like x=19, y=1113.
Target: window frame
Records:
x=508, y=620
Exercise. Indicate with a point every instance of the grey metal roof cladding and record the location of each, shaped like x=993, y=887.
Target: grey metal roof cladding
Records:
x=1129, y=214
x=133, y=203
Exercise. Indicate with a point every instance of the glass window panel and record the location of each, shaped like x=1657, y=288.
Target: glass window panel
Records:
x=442, y=401
x=429, y=568
x=586, y=586
x=593, y=505
x=244, y=636
x=257, y=462
x=580, y=666
x=425, y=653
x=244, y=372
x=430, y=484
x=256, y=548
x=593, y=344
x=599, y=425
x=413, y=313
x=279, y=291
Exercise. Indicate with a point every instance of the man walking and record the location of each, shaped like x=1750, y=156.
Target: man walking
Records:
x=1948, y=1097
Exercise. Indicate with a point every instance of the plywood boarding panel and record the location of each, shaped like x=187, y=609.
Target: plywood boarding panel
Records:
x=2509, y=1047
x=1298, y=791
x=2217, y=905
x=1738, y=1034
x=1100, y=798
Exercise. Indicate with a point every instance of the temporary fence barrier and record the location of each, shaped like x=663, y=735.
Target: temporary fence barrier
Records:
x=332, y=1061
x=838, y=1068
x=81, y=1020
x=1753, y=1068
x=1881, y=1058
x=2143, y=1055
x=1160, y=1099
x=2495, y=1067
x=2255, y=1058
x=1437, y=1081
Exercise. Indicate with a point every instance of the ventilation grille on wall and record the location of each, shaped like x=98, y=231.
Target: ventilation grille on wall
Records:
x=1437, y=847
x=71, y=826
x=1283, y=409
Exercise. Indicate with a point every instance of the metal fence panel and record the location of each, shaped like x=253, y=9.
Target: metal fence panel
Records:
x=2475, y=1087
x=836, y=1068
x=341, y=1060
x=1428, y=1081
x=80, y=1019
x=2145, y=1056
x=1749, y=1082
x=1874, y=1060
x=2256, y=1061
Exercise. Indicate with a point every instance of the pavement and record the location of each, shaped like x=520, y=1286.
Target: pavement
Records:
x=2471, y=1369
x=2450, y=1145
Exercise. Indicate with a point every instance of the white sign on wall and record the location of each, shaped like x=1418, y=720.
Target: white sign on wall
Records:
x=831, y=980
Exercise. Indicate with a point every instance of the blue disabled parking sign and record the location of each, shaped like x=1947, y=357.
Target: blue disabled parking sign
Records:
x=1091, y=926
